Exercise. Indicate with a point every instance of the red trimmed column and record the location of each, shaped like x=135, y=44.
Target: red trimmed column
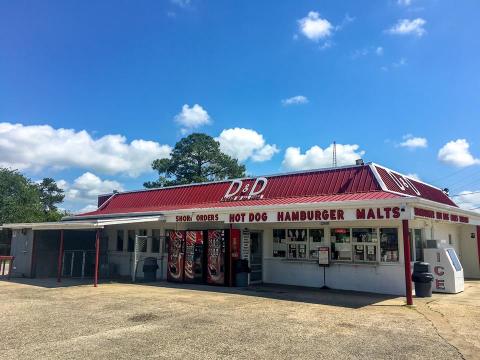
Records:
x=60, y=258
x=406, y=260
x=97, y=258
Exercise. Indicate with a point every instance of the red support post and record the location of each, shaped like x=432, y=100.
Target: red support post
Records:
x=406, y=260
x=10, y=267
x=478, y=243
x=97, y=258
x=60, y=258
x=230, y=256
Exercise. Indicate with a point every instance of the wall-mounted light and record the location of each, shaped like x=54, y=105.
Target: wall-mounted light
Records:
x=472, y=235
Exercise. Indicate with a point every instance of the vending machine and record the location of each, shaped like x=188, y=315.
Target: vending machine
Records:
x=193, y=257
x=216, y=257
x=446, y=269
x=176, y=256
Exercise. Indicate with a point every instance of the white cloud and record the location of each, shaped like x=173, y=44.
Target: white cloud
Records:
x=457, y=153
x=360, y=53
x=326, y=45
x=181, y=3
x=379, y=51
x=83, y=192
x=401, y=62
x=404, y=2
x=192, y=117
x=413, y=142
x=408, y=27
x=347, y=19
x=36, y=147
x=413, y=176
x=469, y=200
x=244, y=144
x=316, y=157
x=295, y=100
x=314, y=27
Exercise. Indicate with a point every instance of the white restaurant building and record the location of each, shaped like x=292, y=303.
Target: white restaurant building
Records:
x=362, y=214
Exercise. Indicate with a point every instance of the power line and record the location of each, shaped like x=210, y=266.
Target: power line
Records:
x=467, y=181
x=467, y=193
x=449, y=175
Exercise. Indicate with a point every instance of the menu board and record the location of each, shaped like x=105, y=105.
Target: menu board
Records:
x=245, y=245
x=323, y=256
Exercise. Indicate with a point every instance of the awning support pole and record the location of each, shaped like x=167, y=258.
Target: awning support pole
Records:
x=97, y=258
x=478, y=243
x=60, y=257
x=406, y=260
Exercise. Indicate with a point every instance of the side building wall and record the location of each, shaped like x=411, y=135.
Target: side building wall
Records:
x=22, y=249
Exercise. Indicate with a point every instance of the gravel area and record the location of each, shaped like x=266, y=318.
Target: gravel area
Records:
x=125, y=321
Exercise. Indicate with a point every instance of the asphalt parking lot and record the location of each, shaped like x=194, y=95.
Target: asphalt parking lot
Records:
x=123, y=321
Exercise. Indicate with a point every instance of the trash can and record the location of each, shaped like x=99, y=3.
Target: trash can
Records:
x=150, y=268
x=241, y=273
x=422, y=279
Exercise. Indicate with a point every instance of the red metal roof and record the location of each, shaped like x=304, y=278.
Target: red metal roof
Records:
x=406, y=185
x=374, y=195
x=354, y=183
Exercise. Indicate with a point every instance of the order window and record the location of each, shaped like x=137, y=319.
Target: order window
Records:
x=279, y=243
x=131, y=240
x=341, y=246
x=365, y=242
x=120, y=235
x=155, y=240
x=297, y=244
x=316, y=238
x=389, y=245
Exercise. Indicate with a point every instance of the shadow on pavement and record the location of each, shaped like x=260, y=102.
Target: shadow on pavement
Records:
x=342, y=298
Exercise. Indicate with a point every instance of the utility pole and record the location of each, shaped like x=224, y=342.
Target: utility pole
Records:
x=334, y=154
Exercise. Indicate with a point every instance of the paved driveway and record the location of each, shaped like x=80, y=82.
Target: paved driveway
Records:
x=125, y=321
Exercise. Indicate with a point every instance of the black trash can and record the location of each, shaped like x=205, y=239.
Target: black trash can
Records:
x=422, y=279
x=150, y=268
x=241, y=273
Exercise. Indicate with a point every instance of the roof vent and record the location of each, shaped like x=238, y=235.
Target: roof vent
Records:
x=446, y=191
x=359, y=162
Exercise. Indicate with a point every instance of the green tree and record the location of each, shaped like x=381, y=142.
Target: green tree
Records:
x=195, y=158
x=21, y=200
x=50, y=194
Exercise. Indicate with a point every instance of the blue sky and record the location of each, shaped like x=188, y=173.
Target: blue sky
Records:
x=393, y=81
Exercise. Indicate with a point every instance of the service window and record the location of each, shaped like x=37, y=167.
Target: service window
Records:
x=389, y=245
x=341, y=246
x=316, y=239
x=279, y=243
x=155, y=240
x=365, y=242
x=131, y=240
x=297, y=243
x=120, y=235
x=142, y=240
x=416, y=245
